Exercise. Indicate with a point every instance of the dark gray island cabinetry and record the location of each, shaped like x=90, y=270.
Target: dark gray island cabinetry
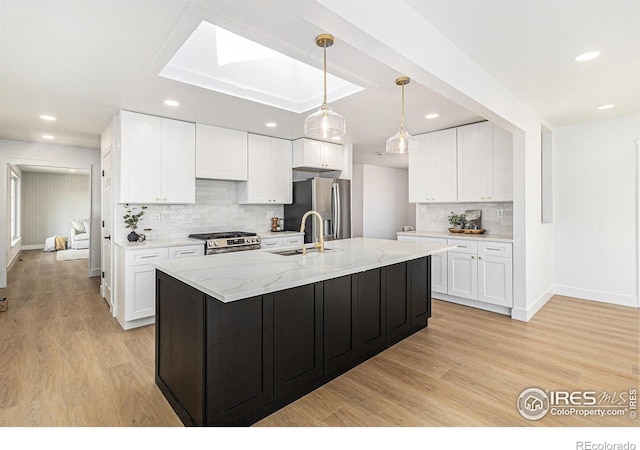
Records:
x=223, y=362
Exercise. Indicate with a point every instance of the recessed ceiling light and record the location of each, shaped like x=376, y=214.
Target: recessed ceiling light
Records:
x=432, y=116
x=171, y=103
x=587, y=56
x=607, y=106
x=47, y=117
x=48, y=136
x=271, y=124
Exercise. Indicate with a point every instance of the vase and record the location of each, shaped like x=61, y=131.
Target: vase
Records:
x=133, y=237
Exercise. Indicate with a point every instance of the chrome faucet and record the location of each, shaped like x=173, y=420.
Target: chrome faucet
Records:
x=320, y=244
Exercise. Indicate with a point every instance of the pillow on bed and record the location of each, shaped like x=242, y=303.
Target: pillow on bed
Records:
x=78, y=225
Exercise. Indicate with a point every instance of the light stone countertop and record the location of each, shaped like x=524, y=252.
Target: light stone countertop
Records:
x=448, y=235
x=238, y=275
x=158, y=243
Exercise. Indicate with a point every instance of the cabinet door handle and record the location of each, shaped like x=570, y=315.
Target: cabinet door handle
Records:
x=473, y=257
x=479, y=257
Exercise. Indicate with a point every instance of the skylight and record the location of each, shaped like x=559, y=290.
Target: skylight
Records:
x=217, y=59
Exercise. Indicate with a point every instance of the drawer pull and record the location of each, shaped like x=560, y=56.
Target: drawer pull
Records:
x=497, y=249
x=148, y=256
x=463, y=246
x=186, y=252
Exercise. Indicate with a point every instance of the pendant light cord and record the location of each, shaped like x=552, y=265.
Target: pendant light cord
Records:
x=324, y=103
x=402, y=112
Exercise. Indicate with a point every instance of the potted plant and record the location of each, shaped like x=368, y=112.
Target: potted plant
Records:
x=131, y=219
x=456, y=220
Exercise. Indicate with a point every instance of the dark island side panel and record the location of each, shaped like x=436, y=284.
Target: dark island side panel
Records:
x=222, y=364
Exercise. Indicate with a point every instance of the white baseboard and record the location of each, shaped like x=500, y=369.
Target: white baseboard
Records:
x=525, y=315
x=472, y=303
x=598, y=296
x=33, y=247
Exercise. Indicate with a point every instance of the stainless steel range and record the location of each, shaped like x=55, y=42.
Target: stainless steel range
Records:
x=228, y=241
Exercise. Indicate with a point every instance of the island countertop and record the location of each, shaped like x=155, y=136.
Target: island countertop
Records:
x=234, y=276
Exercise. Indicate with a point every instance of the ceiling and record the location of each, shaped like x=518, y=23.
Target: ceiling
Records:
x=82, y=61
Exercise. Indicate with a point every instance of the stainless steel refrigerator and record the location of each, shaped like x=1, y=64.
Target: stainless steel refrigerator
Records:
x=331, y=198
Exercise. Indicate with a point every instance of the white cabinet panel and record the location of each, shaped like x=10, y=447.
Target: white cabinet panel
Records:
x=156, y=159
x=485, y=163
x=186, y=250
x=269, y=178
x=462, y=275
x=221, y=153
x=317, y=155
x=141, y=281
x=269, y=243
x=495, y=280
x=433, y=169
x=139, y=157
x=178, y=162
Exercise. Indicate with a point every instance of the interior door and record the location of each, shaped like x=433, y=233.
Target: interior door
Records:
x=105, y=288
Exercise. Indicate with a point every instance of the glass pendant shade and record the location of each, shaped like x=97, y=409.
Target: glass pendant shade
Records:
x=402, y=142
x=325, y=123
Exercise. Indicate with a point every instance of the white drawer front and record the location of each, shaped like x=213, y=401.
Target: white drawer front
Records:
x=271, y=243
x=138, y=257
x=407, y=238
x=292, y=241
x=464, y=246
x=186, y=250
x=495, y=249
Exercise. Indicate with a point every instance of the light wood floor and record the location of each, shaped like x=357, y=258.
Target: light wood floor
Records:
x=64, y=361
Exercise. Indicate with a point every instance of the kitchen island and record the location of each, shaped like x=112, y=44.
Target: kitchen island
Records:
x=240, y=335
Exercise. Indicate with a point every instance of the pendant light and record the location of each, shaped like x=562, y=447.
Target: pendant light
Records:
x=402, y=142
x=325, y=123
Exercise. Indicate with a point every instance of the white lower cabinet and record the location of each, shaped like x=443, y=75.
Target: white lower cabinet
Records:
x=475, y=270
x=462, y=275
x=481, y=271
x=495, y=275
x=439, y=280
x=136, y=281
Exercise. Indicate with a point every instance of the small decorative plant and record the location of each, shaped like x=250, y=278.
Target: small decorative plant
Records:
x=457, y=220
x=132, y=217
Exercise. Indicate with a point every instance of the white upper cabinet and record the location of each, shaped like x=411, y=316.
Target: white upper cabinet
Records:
x=432, y=168
x=485, y=159
x=221, y=153
x=316, y=155
x=157, y=159
x=269, y=179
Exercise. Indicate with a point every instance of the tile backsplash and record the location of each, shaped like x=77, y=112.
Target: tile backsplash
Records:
x=497, y=218
x=216, y=209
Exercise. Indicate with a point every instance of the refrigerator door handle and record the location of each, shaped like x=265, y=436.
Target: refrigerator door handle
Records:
x=338, y=209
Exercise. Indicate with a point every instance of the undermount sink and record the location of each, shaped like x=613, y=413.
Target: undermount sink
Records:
x=296, y=251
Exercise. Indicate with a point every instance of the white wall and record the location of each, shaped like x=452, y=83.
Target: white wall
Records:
x=49, y=202
x=19, y=152
x=394, y=35
x=596, y=210
x=384, y=200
